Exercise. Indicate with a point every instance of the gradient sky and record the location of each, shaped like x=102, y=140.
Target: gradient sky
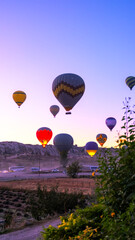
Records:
x=41, y=39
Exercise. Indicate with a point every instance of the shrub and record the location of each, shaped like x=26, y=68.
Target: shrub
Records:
x=45, y=202
x=73, y=169
x=82, y=223
x=116, y=184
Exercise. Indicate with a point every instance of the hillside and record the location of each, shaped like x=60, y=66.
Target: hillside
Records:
x=15, y=153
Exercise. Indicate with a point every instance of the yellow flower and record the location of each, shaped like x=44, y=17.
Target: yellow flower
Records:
x=113, y=214
x=101, y=216
x=95, y=229
x=91, y=234
x=59, y=226
x=70, y=217
x=74, y=221
x=93, y=174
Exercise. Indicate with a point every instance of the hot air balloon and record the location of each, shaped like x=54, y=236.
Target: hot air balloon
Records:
x=101, y=138
x=111, y=122
x=19, y=97
x=91, y=148
x=44, y=135
x=54, y=109
x=130, y=81
x=68, y=88
x=63, y=142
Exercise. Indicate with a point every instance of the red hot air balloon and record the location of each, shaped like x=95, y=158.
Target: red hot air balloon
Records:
x=111, y=122
x=44, y=135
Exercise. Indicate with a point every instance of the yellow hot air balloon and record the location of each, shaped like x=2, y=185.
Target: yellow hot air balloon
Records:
x=19, y=97
x=91, y=148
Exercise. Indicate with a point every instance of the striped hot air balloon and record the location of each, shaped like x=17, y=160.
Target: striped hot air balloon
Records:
x=130, y=81
x=19, y=97
x=68, y=88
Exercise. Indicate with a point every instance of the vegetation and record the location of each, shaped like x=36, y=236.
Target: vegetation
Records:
x=114, y=215
x=45, y=202
x=73, y=169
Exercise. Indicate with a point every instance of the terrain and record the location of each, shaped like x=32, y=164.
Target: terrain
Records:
x=28, y=155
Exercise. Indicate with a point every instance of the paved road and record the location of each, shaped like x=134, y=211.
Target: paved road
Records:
x=30, y=233
x=26, y=175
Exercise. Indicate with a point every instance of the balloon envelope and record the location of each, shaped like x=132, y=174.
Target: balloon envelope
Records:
x=130, y=81
x=68, y=88
x=111, y=122
x=54, y=109
x=19, y=97
x=44, y=135
x=63, y=142
x=91, y=148
x=101, y=138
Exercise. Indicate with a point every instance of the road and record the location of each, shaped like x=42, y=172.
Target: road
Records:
x=30, y=233
x=11, y=176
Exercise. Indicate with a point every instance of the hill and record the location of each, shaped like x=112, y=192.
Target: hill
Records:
x=28, y=155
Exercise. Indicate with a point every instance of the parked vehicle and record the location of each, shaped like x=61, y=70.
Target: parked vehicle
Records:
x=35, y=169
x=55, y=170
x=16, y=169
x=93, y=168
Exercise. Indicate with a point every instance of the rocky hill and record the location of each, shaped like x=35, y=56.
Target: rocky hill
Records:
x=15, y=153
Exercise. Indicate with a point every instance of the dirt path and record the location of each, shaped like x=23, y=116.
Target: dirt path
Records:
x=30, y=233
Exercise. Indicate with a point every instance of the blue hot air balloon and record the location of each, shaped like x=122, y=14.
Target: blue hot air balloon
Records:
x=111, y=122
x=130, y=81
x=91, y=148
x=68, y=88
x=63, y=142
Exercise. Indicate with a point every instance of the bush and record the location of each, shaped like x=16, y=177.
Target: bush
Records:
x=73, y=169
x=45, y=202
x=116, y=184
x=84, y=222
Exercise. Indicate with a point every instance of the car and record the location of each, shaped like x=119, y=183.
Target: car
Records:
x=94, y=168
x=35, y=169
x=55, y=170
x=16, y=169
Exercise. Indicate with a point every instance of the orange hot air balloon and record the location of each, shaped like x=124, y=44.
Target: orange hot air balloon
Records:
x=101, y=138
x=19, y=97
x=44, y=135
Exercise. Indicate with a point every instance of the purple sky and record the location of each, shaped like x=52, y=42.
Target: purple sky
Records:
x=41, y=39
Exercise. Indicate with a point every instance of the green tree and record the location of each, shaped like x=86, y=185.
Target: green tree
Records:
x=73, y=169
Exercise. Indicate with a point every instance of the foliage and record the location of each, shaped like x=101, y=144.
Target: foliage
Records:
x=45, y=202
x=82, y=224
x=8, y=217
x=114, y=215
x=73, y=169
x=116, y=183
